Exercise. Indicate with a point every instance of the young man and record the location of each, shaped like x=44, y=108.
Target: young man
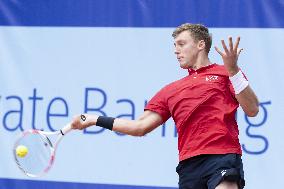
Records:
x=203, y=106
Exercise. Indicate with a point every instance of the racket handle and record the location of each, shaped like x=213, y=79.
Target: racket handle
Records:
x=66, y=129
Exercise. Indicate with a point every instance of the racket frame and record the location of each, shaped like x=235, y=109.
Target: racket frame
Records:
x=53, y=146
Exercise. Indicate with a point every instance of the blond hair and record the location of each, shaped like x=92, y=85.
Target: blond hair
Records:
x=198, y=32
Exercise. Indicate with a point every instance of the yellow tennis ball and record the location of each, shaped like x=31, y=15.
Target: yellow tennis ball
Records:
x=21, y=151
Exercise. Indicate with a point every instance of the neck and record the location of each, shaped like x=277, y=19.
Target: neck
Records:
x=201, y=61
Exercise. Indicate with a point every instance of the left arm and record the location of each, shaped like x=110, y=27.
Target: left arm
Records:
x=246, y=97
x=248, y=101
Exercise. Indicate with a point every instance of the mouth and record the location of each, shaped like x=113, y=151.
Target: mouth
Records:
x=179, y=58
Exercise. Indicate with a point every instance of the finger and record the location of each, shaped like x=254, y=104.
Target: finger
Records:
x=224, y=46
x=239, y=51
x=237, y=44
x=81, y=128
x=231, y=43
x=216, y=48
x=73, y=126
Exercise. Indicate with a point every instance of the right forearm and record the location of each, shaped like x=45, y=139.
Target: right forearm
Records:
x=129, y=127
x=147, y=122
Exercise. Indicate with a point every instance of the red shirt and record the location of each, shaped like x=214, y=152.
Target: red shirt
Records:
x=203, y=107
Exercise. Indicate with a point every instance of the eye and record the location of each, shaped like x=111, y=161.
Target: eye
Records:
x=180, y=44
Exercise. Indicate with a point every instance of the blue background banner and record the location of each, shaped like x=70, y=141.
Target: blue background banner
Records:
x=143, y=13
x=27, y=184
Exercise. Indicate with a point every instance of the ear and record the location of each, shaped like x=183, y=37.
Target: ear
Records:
x=201, y=45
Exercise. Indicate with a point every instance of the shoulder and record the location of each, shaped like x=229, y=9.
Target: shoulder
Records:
x=174, y=84
x=171, y=88
x=219, y=70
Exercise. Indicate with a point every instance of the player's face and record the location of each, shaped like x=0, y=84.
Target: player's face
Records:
x=186, y=50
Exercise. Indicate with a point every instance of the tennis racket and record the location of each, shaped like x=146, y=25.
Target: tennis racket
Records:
x=40, y=150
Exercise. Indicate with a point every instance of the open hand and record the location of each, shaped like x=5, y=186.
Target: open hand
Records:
x=230, y=56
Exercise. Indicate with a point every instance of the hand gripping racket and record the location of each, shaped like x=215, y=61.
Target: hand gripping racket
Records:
x=39, y=150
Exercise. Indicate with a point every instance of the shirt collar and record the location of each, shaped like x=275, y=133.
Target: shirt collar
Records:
x=191, y=71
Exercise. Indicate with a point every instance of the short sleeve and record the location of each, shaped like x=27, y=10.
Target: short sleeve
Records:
x=159, y=104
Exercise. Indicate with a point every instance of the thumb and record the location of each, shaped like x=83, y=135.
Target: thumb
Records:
x=239, y=51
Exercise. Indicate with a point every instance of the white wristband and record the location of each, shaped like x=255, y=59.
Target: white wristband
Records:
x=239, y=82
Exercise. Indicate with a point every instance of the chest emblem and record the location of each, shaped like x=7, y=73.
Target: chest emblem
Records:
x=211, y=78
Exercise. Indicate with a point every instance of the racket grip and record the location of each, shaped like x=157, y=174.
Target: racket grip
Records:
x=66, y=129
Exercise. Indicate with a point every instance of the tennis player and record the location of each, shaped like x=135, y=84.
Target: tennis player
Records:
x=203, y=105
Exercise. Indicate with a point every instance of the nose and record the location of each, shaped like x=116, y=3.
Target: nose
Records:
x=177, y=51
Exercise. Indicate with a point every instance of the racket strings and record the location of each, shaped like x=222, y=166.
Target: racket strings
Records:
x=40, y=152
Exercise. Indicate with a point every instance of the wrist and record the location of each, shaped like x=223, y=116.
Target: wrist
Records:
x=105, y=122
x=233, y=71
x=239, y=82
x=92, y=119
